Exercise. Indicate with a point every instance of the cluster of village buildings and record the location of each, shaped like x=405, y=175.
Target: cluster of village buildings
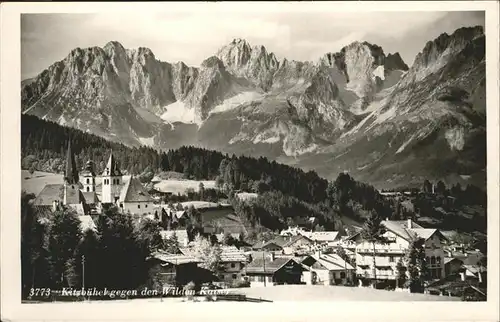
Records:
x=296, y=256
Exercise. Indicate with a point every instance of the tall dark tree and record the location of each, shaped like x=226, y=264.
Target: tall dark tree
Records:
x=427, y=188
x=123, y=257
x=148, y=235
x=440, y=187
x=64, y=238
x=87, y=262
x=401, y=277
x=172, y=244
x=372, y=232
x=33, y=251
x=417, y=265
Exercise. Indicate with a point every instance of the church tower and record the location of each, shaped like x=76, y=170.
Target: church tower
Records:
x=111, y=181
x=71, y=180
x=88, y=176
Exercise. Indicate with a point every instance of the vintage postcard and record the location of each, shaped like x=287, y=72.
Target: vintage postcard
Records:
x=279, y=161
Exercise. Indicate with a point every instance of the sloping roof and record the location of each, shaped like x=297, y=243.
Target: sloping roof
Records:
x=295, y=239
x=424, y=233
x=90, y=197
x=49, y=194
x=265, y=265
x=322, y=236
x=133, y=191
x=79, y=208
x=86, y=222
x=399, y=227
x=474, y=269
x=232, y=254
x=331, y=261
x=175, y=259
x=450, y=259
x=404, y=223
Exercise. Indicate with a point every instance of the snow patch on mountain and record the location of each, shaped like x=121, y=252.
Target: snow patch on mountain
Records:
x=267, y=137
x=62, y=120
x=300, y=151
x=379, y=72
x=455, y=137
x=235, y=101
x=405, y=144
x=179, y=112
x=147, y=141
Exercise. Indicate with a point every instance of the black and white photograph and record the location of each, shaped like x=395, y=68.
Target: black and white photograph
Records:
x=257, y=157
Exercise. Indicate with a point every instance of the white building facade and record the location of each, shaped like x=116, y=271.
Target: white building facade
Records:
x=399, y=235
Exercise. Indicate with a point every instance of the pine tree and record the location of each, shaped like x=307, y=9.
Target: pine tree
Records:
x=401, y=274
x=33, y=252
x=64, y=237
x=172, y=244
x=372, y=232
x=417, y=265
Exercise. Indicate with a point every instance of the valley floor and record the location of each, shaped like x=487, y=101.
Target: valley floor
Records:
x=334, y=293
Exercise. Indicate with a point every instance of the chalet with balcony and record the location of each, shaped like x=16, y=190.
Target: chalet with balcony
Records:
x=270, y=270
x=326, y=269
x=232, y=262
x=399, y=235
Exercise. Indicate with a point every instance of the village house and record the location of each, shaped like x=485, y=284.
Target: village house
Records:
x=177, y=269
x=326, y=269
x=398, y=235
x=297, y=245
x=270, y=246
x=460, y=282
x=270, y=270
x=232, y=262
x=330, y=238
x=452, y=265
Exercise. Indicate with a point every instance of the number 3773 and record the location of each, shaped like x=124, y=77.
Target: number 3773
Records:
x=40, y=291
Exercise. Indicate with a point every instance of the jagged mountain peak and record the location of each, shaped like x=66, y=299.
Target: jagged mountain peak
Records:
x=114, y=45
x=446, y=42
x=395, y=62
x=212, y=62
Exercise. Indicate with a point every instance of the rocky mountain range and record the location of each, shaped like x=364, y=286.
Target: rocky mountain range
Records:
x=359, y=109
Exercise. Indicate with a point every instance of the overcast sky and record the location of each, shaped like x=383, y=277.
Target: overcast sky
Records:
x=193, y=36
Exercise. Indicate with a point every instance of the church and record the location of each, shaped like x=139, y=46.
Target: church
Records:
x=86, y=193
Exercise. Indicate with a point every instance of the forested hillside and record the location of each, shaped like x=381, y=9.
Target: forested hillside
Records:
x=286, y=195
x=44, y=148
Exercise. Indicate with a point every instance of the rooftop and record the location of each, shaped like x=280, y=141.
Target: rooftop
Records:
x=176, y=259
x=322, y=236
x=266, y=265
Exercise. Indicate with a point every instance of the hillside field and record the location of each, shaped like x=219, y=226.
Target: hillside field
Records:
x=180, y=186
x=35, y=183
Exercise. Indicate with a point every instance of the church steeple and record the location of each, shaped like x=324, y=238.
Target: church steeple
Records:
x=71, y=175
x=111, y=181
